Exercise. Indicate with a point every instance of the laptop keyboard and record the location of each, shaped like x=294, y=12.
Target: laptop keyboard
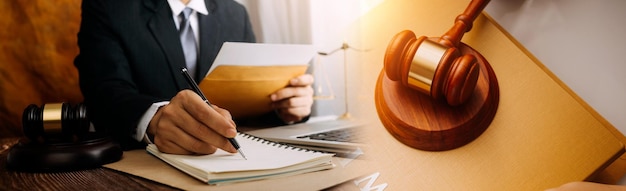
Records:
x=339, y=135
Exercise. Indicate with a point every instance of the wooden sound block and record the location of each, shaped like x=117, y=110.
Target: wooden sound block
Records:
x=424, y=123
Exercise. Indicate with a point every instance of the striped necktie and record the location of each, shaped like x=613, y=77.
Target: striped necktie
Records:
x=188, y=41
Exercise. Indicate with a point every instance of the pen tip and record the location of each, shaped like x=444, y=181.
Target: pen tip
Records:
x=241, y=153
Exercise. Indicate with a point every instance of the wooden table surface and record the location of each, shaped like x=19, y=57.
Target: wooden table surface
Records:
x=91, y=179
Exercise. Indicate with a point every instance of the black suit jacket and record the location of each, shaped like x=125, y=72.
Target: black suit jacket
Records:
x=131, y=56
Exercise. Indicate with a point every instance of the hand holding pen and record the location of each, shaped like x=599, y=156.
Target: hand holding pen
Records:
x=196, y=89
x=188, y=126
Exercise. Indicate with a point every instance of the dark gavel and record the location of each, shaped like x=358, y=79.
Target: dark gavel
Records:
x=55, y=122
x=60, y=139
x=435, y=65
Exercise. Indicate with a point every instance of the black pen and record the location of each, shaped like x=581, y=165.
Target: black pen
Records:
x=196, y=89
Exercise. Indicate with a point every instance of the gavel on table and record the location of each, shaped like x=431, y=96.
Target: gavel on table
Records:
x=437, y=93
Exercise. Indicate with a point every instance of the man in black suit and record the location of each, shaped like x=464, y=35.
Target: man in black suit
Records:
x=129, y=67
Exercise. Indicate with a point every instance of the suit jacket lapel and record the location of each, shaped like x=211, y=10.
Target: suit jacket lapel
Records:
x=209, y=45
x=164, y=31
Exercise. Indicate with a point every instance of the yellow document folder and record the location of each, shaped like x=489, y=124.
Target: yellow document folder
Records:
x=244, y=75
x=245, y=90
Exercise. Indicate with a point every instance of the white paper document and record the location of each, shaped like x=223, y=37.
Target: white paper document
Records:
x=261, y=54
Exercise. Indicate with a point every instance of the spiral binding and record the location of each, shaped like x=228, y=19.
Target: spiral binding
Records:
x=275, y=144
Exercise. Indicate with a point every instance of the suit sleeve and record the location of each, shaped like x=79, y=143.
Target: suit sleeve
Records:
x=113, y=101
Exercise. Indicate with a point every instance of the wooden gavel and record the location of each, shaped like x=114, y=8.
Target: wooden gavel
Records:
x=435, y=66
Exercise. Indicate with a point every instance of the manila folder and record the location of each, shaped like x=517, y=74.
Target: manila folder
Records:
x=245, y=90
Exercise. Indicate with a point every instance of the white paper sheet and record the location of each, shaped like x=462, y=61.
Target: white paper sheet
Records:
x=262, y=54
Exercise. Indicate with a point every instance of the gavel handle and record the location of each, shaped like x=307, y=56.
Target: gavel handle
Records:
x=463, y=23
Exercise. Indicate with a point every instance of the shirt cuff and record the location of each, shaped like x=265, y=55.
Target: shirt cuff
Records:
x=142, y=126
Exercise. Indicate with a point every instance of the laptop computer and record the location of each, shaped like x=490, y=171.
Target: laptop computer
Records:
x=327, y=134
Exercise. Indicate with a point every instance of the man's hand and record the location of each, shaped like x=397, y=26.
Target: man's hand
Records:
x=293, y=103
x=187, y=125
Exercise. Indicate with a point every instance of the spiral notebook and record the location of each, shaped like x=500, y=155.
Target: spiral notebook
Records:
x=266, y=159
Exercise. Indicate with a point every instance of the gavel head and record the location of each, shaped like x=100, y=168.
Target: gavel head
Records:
x=432, y=68
x=55, y=122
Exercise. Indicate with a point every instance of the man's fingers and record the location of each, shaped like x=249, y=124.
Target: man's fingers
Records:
x=221, y=122
x=194, y=126
x=172, y=139
x=298, y=86
x=226, y=115
x=172, y=148
x=302, y=80
x=205, y=136
x=194, y=138
x=209, y=125
x=293, y=102
x=289, y=92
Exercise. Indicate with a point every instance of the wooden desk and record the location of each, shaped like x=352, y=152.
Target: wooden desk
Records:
x=543, y=135
x=109, y=179
x=92, y=179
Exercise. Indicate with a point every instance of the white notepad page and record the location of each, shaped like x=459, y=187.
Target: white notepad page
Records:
x=265, y=159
